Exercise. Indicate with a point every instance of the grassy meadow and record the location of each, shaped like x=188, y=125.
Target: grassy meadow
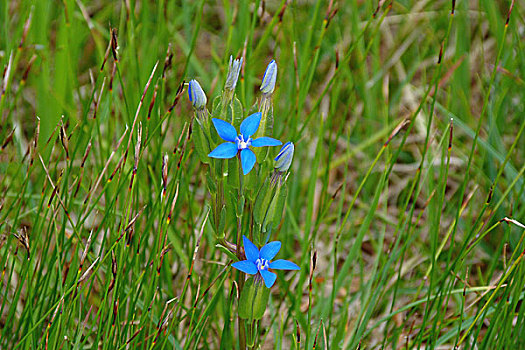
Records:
x=404, y=205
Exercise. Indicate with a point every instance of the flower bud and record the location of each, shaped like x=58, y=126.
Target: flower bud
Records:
x=197, y=95
x=233, y=73
x=285, y=157
x=270, y=75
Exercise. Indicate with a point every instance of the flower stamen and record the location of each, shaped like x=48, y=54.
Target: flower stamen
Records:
x=262, y=264
x=242, y=144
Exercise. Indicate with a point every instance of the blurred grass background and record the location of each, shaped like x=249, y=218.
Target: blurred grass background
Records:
x=407, y=184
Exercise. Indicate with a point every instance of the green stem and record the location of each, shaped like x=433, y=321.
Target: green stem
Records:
x=240, y=278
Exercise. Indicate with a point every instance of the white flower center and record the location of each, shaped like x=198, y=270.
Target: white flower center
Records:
x=242, y=144
x=262, y=264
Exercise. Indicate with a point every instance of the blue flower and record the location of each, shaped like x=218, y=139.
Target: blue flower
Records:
x=241, y=142
x=259, y=261
x=270, y=75
x=196, y=94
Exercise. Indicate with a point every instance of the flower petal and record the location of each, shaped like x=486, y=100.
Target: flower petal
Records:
x=265, y=141
x=245, y=266
x=247, y=160
x=250, y=125
x=268, y=277
x=224, y=150
x=250, y=250
x=225, y=130
x=270, y=250
x=283, y=265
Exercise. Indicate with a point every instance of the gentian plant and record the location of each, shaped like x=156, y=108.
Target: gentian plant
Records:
x=246, y=200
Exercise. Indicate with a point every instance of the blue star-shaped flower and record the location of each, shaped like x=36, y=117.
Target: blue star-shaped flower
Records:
x=259, y=261
x=242, y=142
